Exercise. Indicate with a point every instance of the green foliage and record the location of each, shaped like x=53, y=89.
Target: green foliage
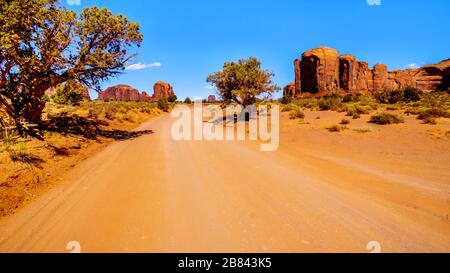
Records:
x=331, y=102
x=403, y=95
x=412, y=94
x=241, y=82
x=386, y=118
x=296, y=114
x=286, y=100
x=351, y=98
x=289, y=107
x=188, y=100
x=163, y=105
x=433, y=113
x=172, y=98
x=42, y=44
x=69, y=93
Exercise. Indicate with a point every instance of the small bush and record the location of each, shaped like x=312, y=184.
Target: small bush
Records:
x=434, y=113
x=351, y=98
x=286, y=100
x=331, y=102
x=363, y=130
x=289, y=107
x=386, y=118
x=110, y=113
x=345, y=122
x=412, y=94
x=296, y=114
x=402, y=95
x=431, y=121
x=163, y=105
x=337, y=128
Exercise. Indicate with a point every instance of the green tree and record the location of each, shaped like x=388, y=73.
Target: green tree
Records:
x=188, y=100
x=42, y=45
x=69, y=93
x=243, y=81
x=172, y=98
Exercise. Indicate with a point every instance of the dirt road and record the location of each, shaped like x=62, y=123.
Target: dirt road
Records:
x=152, y=194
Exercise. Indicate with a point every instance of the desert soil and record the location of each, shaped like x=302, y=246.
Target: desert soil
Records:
x=320, y=192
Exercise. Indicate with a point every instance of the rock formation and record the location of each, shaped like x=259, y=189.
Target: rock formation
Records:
x=298, y=79
x=120, y=93
x=322, y=71
x=162, y=90
x=212, y=99
x=290, y=90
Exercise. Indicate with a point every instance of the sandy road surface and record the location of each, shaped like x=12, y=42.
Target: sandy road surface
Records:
x=152, y=194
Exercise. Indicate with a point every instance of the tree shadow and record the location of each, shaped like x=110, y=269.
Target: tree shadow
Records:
x=88, y=128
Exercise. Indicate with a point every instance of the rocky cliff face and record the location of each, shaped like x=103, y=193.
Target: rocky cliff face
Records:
x=322, y=71
x=162, y=90
x=290, y=90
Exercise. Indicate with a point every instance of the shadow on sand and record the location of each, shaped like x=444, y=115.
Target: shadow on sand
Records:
x=89, y=128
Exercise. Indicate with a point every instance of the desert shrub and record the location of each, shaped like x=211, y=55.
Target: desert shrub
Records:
x=431, y=121
x=331, y=102
x=21, y=153
x=402, y=95
x=365, y=129
x=345, y=122
x=358, y=110
x=434, y=113
x=94, y=111
x=289, y=107
x=337, y=128
x=110, y=113
x=351, y=98
x=386, y=118
x=412, y=94
x=306, y=102
x=286, y=100
x=296, y=114
x=172, y=98
x=163, y=105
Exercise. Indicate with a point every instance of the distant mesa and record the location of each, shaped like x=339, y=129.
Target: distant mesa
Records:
x=321, y=71
x=212, y=99
x=161, y=90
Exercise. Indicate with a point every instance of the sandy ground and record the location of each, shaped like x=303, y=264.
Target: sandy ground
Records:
x=320, y=192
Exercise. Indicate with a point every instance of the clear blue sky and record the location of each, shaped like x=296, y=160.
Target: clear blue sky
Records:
x=191, y=39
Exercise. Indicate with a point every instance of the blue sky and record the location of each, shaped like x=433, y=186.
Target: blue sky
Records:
x=185, y=41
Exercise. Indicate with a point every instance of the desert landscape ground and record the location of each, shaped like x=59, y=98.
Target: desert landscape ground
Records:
x=321, y=191
x=112, y=117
